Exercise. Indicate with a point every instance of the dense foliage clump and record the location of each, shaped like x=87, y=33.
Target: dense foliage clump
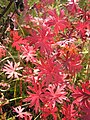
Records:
x=45, y=60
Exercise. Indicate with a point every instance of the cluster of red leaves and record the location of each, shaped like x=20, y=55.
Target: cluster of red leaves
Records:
x=51, y=56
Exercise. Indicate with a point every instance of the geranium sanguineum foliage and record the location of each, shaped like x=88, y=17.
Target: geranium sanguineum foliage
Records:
x=46, y=61
x=11, y=69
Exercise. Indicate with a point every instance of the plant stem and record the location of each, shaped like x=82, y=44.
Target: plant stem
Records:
x=15, y=99
x=20, y=91
x=38, y=116
x=15, y=87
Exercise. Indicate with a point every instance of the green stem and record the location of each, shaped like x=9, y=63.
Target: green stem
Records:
x=4, y=59
x=11, y=56
x=15, y=90
x=21, y=29
x=14, y=99
x=38, y=116
x=20, y=85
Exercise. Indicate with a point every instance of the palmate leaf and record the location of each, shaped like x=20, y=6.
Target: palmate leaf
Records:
x=17, y=40
x=58, y=95
x=21, y=114
x=51, y=70
x=35, y=96
x=59, y=22
x=82, y=95
x=69, y=112
x=43, y=40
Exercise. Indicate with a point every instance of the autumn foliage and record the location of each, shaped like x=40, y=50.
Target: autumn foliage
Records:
x=45, y=62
